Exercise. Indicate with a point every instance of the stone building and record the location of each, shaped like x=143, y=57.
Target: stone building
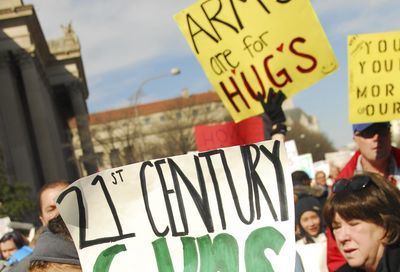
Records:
x=152, y=130
x=161, y=128
x=43, y=86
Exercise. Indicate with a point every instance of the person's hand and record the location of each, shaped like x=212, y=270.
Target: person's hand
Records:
x=273, y=106
x=275, y=117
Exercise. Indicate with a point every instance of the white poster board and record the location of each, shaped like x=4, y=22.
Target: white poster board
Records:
x=292, y=154
x=229, y=209
x=322, y=165
x=313, y=256
x=4, y=225
x=305, y=163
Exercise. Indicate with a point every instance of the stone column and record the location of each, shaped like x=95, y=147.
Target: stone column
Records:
x=82, y=122
x=20, y=153
x=40, y=106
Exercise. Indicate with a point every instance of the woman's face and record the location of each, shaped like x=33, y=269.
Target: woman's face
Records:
x=311, y=223
x=360, y=242
x=8, y=248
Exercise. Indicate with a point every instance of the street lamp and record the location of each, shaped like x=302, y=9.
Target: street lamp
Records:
x=175, y=71
x=134, y=99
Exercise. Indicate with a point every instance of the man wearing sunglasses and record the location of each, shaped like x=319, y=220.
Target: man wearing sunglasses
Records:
x=375, y=154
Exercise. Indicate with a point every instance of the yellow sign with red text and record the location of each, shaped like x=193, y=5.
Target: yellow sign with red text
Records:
x=247, y=47
x=374, y=77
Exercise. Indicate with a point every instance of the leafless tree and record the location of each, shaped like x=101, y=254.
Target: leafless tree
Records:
x=140, y=137
x=117, y=140
x=177, y=131
x=308, y=141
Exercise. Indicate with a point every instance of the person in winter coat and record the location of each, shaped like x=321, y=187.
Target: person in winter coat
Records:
x=308, y=221
x=375, y=154
x=363, y=214
x=311, y=239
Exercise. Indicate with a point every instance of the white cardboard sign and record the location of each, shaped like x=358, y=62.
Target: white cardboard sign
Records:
x=229, y=209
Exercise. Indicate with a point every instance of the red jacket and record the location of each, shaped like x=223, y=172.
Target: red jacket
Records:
x=334, y=257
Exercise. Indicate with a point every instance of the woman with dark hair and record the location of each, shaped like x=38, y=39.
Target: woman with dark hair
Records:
x=11, y=242
x=311, y=239
x=308, y=221
x=363, y=214
x=13, y=249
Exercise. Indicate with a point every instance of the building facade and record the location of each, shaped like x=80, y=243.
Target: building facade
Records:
x=43, y=86
x=162, y=128
x=152, y=130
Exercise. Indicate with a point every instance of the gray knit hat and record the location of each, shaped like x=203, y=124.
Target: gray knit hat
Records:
x=305, y=204
x=55, y=248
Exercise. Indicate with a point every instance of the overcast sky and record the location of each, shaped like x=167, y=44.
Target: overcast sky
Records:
x=125, y=42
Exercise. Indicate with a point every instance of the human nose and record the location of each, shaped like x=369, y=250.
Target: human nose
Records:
x=313, y=222
x=342, y=235
x=6, y=255
x=376, y=136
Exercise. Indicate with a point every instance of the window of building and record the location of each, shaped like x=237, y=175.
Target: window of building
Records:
x=100, y=159
x=146, y=120
x=81, y=166
x=128, y=154
x=115, y=158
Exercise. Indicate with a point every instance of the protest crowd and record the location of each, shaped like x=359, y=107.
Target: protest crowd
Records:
x=344, y=222
x=345, y=219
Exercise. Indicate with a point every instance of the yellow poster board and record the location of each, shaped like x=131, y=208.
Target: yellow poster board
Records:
x=247, y=47
x=374, y=77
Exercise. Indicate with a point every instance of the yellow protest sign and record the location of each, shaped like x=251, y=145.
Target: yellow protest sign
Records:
x=246, y=47
x=374, y=77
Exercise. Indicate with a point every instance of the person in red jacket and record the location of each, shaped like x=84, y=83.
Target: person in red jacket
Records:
x=375, y=154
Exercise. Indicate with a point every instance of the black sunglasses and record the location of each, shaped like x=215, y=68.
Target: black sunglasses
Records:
x=356, y=184
x=381, y=130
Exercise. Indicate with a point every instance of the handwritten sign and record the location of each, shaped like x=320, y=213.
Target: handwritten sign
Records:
x=313, y=256
x=5, y=225
x=305, y=163
x=222, y=210
x=246, y=47
x=374, y=77
x=215, y=136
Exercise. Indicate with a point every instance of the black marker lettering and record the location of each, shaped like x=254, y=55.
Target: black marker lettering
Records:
x=167, y=192
x=214, y=180
x=252, y=175
x=231, y=184
x=201, y=202
x=82, y=221
x=215, y=19
x=146, y=200
x=191, y=21
x=109, y=201
x=280, y=177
